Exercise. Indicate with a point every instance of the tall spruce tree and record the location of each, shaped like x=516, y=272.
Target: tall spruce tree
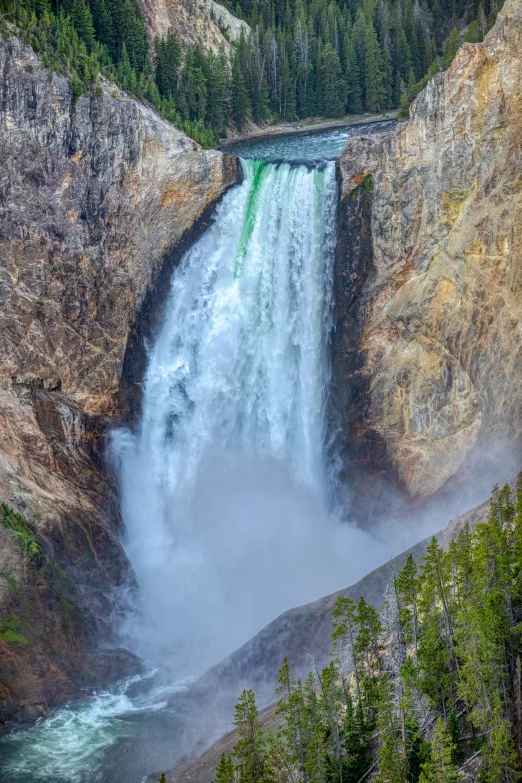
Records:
x=168, y=61
x=240, y=103
x=333, y=98
x=375, y=90
x=217, y=92
x=102, y=21
x=451, y=47
x=249, y=750
x=440, y=767
x=82, y=20
x=352, y=77
x=225, y=770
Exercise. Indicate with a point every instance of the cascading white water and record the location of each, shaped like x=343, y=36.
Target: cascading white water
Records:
x=229, y=456
x=241, y=361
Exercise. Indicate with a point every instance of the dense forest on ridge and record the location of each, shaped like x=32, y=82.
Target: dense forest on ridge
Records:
x=304, y=58
x=412, y=693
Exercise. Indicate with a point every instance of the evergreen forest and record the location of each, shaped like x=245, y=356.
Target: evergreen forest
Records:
x=417, y=692
x=303, y=58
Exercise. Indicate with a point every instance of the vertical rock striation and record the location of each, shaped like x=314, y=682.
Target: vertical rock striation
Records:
x=95, y=197
x=193, y=21
x=428, y=339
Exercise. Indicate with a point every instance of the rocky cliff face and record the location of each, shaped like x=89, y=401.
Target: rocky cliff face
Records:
x=193, y=21
x=95, y=197
x=428, y=341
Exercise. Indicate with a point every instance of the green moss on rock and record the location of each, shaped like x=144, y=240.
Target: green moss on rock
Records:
x=24, y=532
x=13, y=636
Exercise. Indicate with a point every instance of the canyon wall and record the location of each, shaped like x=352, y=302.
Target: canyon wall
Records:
x=428, y=337
x=97, y=197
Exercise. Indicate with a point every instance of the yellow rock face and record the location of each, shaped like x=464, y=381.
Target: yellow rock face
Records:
x=439, y=314
x=193, y=21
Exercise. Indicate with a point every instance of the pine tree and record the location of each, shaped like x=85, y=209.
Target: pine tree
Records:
x=117, y=10
x=331, y=707
x=239, y=96
x=125, y=71
x=440, y=767
x=260, y=99
x=224, y=770
x=375, y=91
x=194, y=85
x=136, y=38
x=407, y=584
x=436, y=651
x=249, y=750
x=422, y=64
x=355, y=736
x=368, y=643
x=42, y=7
x=291, y=706
x=287, y=103
x=451, y=48
x=454, y=732
x=499, y=764
x=344, y=636
x=484, y=624
x=353, y=78
x=82, y=20
x=359, y=36
x=392, y=764
x=333, y=99
x=168, y=61
x=404, y=58
x=102, y=21
x=217, y=93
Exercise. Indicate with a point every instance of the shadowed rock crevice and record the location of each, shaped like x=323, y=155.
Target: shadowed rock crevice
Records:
x=361, y=451
x=149, y=318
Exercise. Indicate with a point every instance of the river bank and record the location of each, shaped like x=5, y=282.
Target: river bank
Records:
x=257, y=133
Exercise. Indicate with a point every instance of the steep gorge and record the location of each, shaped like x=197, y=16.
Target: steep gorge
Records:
x=97, y=198
x=96, y=195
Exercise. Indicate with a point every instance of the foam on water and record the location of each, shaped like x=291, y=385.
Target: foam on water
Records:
x=71, y=745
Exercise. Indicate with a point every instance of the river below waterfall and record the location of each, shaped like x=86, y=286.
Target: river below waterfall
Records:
x=225, y=483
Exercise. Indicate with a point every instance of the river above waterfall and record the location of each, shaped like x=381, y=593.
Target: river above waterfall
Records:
x=313, y=148
x=225, y=483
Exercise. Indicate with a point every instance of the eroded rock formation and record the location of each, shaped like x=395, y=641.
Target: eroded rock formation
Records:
x=428, y=341
x=194, y=20
x=95, y=196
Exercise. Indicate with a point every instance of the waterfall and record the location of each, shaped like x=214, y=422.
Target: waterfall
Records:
x=224, y=484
